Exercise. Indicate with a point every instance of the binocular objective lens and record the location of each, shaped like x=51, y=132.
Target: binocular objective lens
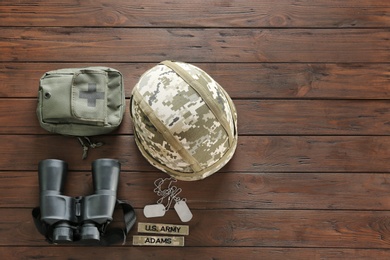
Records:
x=62, y=233
x=90, y=232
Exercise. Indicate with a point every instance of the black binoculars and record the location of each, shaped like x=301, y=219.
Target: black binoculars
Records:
x=80, y=218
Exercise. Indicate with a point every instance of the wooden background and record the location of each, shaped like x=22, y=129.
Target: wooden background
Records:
x=310, y=79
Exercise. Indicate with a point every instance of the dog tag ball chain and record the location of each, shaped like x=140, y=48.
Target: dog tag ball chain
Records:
x=158, y=209
x=168, y=195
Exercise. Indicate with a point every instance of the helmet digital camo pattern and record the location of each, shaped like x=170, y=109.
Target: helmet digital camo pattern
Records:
x=185, y=124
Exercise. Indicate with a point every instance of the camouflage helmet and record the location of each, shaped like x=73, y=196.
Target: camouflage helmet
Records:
x=185, y=124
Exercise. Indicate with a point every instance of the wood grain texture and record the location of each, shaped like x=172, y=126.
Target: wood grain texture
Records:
x=245, y=228
x=310, y=80
x=194, y=45
x=244, y=80
x=256, y=117
x=207, y=253
x=254, y=153
x=187, y=13
x=310, y=191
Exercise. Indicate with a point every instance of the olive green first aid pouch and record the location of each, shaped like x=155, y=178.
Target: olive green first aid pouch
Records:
x=81, y=102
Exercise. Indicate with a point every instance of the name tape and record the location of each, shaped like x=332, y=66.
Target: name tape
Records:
x=163, y=229
x=158, y=240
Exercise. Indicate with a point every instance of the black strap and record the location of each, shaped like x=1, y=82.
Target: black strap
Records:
x=108, y=237
x=86, y=143
x=41, y=226
x=119, y=235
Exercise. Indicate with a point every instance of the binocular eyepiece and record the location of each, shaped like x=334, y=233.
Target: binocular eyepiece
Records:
x=81, y=218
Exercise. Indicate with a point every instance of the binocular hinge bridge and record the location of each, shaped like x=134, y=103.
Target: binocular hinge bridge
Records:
x=78, y=206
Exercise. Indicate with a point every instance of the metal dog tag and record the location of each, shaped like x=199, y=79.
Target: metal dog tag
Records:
x=183, y=211
x=154, y=210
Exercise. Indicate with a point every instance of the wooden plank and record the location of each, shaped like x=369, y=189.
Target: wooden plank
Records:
x=314, y=117
x=254, y=153
x=256, y=117
x=310, y=81
x=244, y=80
x=193, y=45
x=25, y=121
x=250, y=253
x=186, y=13
x=316, y=191
x=244, y=228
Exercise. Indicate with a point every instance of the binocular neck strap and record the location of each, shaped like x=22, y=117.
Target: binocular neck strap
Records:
x=119, y=235
x=41, y=226
x=109, y=237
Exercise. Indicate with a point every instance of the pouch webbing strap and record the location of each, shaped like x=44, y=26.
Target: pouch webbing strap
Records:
x=86, y=143
x=169, y=137
x=205, y=94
